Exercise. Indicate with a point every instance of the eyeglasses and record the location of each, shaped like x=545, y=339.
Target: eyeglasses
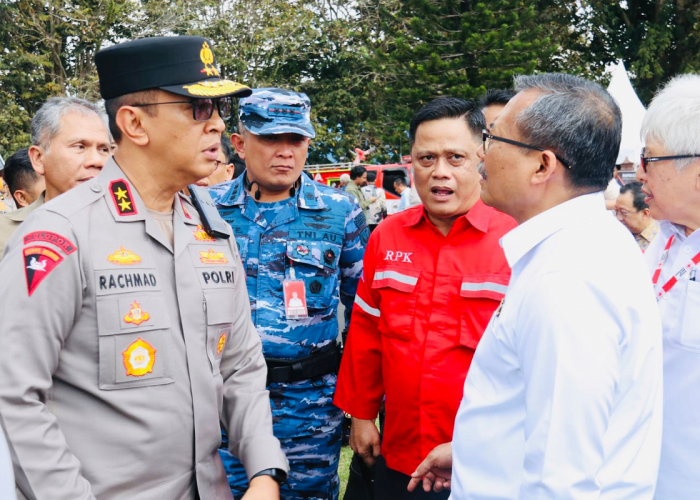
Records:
x=621, y=215
x=487, y=138
x=202, y=109
x=644, y=160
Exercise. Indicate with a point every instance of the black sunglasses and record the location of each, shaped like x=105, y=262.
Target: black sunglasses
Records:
x=644, y=160
x=487, y=138
x=202, y=109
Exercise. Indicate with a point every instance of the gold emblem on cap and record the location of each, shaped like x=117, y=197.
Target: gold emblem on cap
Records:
x=213, y=89
x=207, y=57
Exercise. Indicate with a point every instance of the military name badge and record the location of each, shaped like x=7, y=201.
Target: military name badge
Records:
x=124, y=257
x=39, y=261
x=295, y=299
x=121, y=196
x=136, y=315
x=139, y=358
x=212, y=257
x=201, y=235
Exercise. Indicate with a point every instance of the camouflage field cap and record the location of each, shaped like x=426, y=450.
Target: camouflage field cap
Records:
x=270, y=111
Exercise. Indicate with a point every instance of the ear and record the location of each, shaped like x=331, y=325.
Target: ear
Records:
x=546, y=169
x=229, y=171
x=130, y=120
x=36, y=156
x=238, y=143
x=21, y=197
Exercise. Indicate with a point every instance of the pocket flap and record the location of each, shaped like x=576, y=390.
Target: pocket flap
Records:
x=219, y=307
x=484, y=286
x=404, y=280
x=316, y=253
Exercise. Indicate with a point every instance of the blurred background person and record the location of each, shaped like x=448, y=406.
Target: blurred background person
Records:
x=670, y=176
x=634, y=213
x=24, y=183
x=344, y=179
x=377, y=210
x=493, y=102
x=70, y=145
x=404, y=193
x=358, y=179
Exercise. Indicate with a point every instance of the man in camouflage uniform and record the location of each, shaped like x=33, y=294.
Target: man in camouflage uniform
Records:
x=290, y=229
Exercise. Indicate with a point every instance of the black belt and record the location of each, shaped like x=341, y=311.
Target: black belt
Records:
x=325, y=360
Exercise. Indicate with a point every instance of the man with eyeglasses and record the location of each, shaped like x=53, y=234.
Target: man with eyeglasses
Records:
x=132, y=340
x=670, y=173
x=633, y=212
x=563, y=398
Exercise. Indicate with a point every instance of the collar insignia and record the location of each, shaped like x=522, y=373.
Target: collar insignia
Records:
x=201, y=235
x=121, y=196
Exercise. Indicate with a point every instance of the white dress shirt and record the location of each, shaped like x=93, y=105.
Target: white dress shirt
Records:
x=679, y=470
x=563, y=399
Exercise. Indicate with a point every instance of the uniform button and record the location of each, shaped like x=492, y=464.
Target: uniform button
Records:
x=687, y=249
x=96, y=188
x=667, y=297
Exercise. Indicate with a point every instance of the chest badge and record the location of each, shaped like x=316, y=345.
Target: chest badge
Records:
x=221, y=344
x=121, y=196
x=139, y=358
x=329, y=256
x=302, y=250
x=136, y=315
x=201, y=235
x=212, y=257
x=124, y=257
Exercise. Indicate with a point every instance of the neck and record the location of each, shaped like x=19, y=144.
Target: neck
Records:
x=156, y=195
x=270, y=196
x=545, y=203
x=442, y=225
x=50, y=193
x=690, y=230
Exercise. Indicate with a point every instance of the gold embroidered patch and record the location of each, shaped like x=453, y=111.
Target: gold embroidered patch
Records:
x=221, y=344
x=136, y=315
x=123, y=257
x=213, y=88
x=201, y=235
x=212, y=257
x=139, y=358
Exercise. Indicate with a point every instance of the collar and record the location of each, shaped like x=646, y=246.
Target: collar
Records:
x=532, y=232
x=667, y=228
x=21, y=214
x=124, y=201
x=650, y=231
x=478, y=216
x=308, y=195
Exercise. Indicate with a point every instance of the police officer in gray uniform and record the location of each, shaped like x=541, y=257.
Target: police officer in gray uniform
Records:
x=126, y=335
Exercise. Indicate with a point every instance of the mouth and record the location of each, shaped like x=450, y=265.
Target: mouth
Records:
x=283, y=168
x=202, y=184
x=441, y=192
x=648, y=197
x=212, y=152
x=482, y=170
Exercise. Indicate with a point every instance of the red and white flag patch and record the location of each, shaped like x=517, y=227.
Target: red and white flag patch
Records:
x=39, y=261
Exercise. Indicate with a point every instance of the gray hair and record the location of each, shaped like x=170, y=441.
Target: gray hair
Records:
x=673, y=118
x=46, y=123
x=578, y=120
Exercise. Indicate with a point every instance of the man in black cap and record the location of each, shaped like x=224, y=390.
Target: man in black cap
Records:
x=133, y=337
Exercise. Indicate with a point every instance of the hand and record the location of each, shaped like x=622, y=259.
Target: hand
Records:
x=373, y=199
x=262, y=488
x=364, y=439
x=435, y=471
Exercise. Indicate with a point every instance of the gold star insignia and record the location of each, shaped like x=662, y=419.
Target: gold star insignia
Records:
x=120, y=193
x=124, y=205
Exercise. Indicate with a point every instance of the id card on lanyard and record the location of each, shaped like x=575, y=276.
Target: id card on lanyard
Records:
x=674, y=279
x=295, y=297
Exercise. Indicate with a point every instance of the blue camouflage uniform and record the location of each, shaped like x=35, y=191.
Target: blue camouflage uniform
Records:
x=318, y=236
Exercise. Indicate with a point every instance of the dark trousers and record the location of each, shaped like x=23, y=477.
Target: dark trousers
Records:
x=382, y=483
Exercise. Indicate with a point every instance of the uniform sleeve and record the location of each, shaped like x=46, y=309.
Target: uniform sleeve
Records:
x=246, y=410
x=558, y=340
x=354, y=242
x=359, y=390
x=42, y=290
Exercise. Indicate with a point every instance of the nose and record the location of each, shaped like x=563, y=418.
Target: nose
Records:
x=215, y=123
x=641, y=175
x=97, y=159
x=442, y=168
x=285, y=149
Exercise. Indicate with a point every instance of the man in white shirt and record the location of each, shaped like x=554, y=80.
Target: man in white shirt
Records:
x=404, y=192
x=564, y=396
x=670, y=173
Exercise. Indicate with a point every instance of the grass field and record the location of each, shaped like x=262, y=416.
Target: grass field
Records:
x=344, y=468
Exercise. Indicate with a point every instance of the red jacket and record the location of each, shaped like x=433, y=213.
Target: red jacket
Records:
x=421, y=308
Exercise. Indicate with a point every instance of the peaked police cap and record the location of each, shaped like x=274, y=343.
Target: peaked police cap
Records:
x=183, y=65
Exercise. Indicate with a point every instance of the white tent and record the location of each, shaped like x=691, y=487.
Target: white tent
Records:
x=633, y=112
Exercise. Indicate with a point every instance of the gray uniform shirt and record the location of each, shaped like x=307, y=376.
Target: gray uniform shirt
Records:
x=120, y=354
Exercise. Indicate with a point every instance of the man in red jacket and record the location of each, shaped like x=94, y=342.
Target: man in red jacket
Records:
x=433, y=276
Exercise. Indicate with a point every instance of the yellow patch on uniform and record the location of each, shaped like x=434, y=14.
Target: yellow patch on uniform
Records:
x=212, y=257
x=136, y=315
x=213, y=88
x=201, y=235
x=123, y=257
x=139, y=358
x=221, y=344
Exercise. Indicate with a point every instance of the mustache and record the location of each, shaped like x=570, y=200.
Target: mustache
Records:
x=482, y=170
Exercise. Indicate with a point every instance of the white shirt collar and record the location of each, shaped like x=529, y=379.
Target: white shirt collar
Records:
x=532, y=232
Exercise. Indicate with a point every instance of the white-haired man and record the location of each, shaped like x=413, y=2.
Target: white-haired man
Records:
x=670, y=173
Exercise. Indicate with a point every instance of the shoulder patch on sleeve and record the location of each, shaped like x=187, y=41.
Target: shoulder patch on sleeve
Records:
x=39, y=261
x=56, y=239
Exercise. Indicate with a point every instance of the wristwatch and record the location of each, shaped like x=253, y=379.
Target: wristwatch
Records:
x=277, y=474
